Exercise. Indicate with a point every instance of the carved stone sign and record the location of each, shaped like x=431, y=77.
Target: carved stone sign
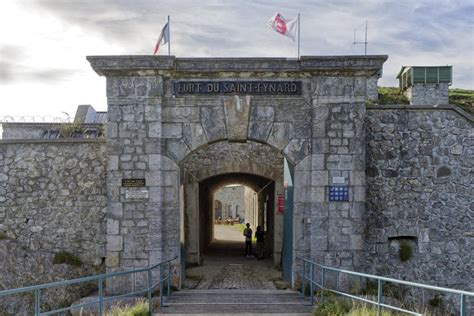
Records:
x=133, y=183
x=237, y=87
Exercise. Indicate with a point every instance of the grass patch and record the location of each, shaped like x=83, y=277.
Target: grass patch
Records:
x=336, y=306
x=138, y=309
x=462, y=98
x=391, y=95
x=67, y=258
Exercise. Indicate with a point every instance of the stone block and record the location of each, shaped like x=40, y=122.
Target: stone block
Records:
x=115, y=210
x=297, y=149
x=172, y=130
x=154, y=129
x=114, y=243
x=113, y=226
x=213, y=123
x=180, y=115
x=193, y=135
x=176, y=149
x=319, y=178
x=357, y=178
x=280, y=135
x=237, y=117
x=112, y=260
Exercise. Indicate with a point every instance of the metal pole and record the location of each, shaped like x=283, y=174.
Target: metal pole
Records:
x=37, y=302
x=462, y=310
x=161, y=285
x=101, y=294
x=150, y=284
x=303, y=276
x=322, y=283
x=169, y=279
x=379, y=296
x=365, y=37
x=169, y=34
x=298, y=36
x=311, y=270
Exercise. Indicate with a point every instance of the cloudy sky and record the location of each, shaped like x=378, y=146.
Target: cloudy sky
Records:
x=43, y=43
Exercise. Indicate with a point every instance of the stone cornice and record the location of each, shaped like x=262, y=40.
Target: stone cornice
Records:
x=138, y=65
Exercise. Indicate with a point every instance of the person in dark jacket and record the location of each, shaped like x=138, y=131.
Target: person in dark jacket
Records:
x=260, y=236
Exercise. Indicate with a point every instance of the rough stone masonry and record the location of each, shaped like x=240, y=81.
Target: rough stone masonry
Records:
x=407, y=169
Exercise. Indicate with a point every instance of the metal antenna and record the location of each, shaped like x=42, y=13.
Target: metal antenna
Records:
x=365, y=42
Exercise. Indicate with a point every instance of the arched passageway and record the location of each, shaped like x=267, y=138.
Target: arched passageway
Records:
x=257, y=166
x=258, y=210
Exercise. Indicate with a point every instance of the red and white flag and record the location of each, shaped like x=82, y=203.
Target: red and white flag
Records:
x=283, y=26
x=163, y=39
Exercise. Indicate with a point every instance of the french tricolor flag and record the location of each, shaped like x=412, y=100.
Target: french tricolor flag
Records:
x=163, y=38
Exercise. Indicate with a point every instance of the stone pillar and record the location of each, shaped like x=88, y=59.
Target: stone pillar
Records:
x=134, y=152
x=338, y=158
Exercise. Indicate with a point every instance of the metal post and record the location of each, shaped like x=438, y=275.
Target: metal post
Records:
x=161, y=285
x=169, y=38
x=365, y=37
x=322, y=283
x=37, y=302
x=298, y=36
x=150, y=284
x=169, y=279
x=463, y=307
x=303, y=276
x=379, y=296
x=101, y=294
x=337, y=280
x=311, y=270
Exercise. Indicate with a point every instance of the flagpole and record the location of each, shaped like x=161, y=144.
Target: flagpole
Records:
x=169, y=39
x=298, y=36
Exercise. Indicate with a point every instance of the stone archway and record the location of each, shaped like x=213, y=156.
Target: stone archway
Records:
x=256, y=165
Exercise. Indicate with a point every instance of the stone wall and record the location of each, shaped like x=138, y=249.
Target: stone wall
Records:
x=420, y=193
x=428, y=93
x=52, y=199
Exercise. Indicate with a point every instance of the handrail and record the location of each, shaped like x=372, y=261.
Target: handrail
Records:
x=101, y=278
x=309, y=277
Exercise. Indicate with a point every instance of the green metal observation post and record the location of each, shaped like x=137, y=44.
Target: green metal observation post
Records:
x=411, y=75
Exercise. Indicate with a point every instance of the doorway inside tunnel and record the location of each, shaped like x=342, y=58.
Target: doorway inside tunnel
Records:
x=227, y=203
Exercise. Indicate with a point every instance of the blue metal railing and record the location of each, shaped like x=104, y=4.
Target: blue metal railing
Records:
x=308, y=272
x=164, y=270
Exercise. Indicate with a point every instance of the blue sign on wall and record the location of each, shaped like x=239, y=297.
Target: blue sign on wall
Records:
x=338, y=193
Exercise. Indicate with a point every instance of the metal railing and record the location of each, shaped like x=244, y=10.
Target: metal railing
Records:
x=308, y=276
x=164, y=270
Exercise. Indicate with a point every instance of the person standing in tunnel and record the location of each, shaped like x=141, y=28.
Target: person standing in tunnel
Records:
x=248, y=240
x=260, y=236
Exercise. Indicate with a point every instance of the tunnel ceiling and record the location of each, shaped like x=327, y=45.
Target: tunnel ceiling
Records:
x=226, y=157
x=252, y=181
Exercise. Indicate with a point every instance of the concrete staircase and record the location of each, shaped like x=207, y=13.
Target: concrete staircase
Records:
x=232, y=302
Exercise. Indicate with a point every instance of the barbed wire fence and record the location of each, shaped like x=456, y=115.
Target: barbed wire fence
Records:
x=65, y=118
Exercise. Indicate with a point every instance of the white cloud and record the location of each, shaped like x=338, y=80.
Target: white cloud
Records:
x=43, y=69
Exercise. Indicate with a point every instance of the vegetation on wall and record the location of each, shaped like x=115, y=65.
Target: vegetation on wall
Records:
x=460, y=97
x=405, y=251
x=67, y=258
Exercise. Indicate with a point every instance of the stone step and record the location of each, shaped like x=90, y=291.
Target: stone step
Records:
x=232, y=302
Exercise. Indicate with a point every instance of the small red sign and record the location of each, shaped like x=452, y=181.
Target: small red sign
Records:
x=281, y=204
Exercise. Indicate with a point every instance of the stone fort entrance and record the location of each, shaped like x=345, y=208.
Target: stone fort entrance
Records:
x=179, y=128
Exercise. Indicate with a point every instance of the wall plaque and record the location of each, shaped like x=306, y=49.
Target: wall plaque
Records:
x=133, y=183
x=140, y=194
x=237, y=87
